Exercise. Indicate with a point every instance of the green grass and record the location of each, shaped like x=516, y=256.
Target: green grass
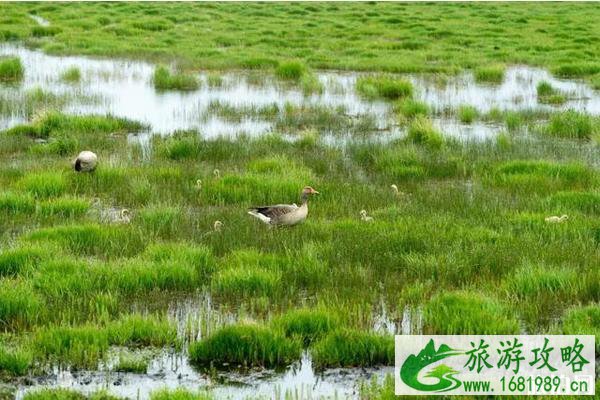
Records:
x=14, y=361
x=348, y=348
x=309, y=325
x=385, y=87
x=351, y=36
x=164, y=79
x=55, y=124
x=467, y=114
x=548, y=94
x=11, y=69
x=464, y=239
x=245, y=345
x=493, y=74
x=409, y=109
x=421, y=131
x=463, y=313
x=572, y=125
x=71, y=75
x=291, y=70
x=179, y=394
x=131, y=363
x=583, y=320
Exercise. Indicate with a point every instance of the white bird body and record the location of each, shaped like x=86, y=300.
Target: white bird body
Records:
x=364, y=217
x=86, y=161
x=556, y=219
x=284, y=214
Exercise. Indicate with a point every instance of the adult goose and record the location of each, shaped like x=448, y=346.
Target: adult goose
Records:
x=85, y=162
x=285, y=214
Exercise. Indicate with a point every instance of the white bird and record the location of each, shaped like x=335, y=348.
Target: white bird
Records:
x=123, y=217
x=284, y=214
x=217, y=173
x=217, y=226
x=555, y=219
x=199, y=184
x=397, y=192
x=364, y=217
x=86, y=161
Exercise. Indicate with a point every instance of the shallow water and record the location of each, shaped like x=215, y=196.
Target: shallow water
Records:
x=172, y=370
x=124, y=88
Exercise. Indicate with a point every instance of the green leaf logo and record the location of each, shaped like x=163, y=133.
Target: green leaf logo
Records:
x=409, y=373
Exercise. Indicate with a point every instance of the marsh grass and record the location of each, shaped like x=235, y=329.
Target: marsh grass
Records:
x=14, y=361
x=466, y=312
x=136, y=364
x=548, y=94
x=71, y=75
x=164, y=79
x=467, y=114
x=84, y=345
x=54, y=394
x=307, y=324
x=16, y=203
x=349, y=348
x=20, y=306
x=421, y=131
x=291, y=70
x=11, y=69
x=542, y=176
x=572, y=125
x=492, y=74
x=90, y=239
x=179, y=394
x=583, y=320
x=246, y=345
x=55, y=123
x=21, y=260
x=385, y=87
x=409, y=109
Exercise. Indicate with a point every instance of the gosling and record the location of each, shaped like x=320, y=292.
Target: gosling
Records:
x=364, y=217
x=556, y=220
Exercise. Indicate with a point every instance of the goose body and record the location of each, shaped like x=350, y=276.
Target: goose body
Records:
x=284, y=214
x=86, y=161
x=364, y=217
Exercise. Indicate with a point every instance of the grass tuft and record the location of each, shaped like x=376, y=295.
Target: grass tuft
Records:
x=164, y=79
x=291, y=70
x=11, y=69
x=385, y=87
x=247, y=345
x=350, y=348
x=421, y=131
x=467, y=313
x=490, y=74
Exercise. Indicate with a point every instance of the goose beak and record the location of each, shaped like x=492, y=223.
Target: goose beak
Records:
x=315, y=192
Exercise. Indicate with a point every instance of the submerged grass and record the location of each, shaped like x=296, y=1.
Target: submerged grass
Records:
x=11, y=69
x=385, y=87
x=164, y=79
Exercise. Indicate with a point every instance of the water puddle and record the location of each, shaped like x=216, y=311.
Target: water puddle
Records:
x=124, y=88
x=172, y=370
x=518, y=91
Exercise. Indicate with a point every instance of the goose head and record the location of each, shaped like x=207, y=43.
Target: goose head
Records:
x=125, y=214
x=394, y=188
x=363, y=213
x=309, y=191
x=217, y=226
x=199, y=184
x=216, y=173
x=564, y=217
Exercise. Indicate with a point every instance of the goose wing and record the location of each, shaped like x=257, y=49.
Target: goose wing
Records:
x=275, y=211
